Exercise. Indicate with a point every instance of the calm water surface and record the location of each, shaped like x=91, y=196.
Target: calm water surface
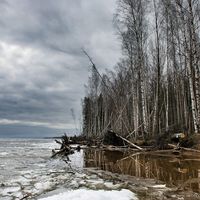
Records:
x=183, y=172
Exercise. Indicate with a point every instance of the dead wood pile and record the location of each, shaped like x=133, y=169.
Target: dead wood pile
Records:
x=65, y=148
x=111, y=138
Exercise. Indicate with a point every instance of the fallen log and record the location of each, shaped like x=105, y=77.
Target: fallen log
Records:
x=172, y=145
x=162, y=151
x=60, y=152
x=183, y=148
x=164, y=155
x=134, y=145
x=189, y=149
x=64, y=149
x=26, y=196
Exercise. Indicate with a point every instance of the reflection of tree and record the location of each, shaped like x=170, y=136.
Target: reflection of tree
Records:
x=172, y=170
x=199, y=178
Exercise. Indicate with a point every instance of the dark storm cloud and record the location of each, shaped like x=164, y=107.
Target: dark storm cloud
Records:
x=64, y=25
x=42, y=67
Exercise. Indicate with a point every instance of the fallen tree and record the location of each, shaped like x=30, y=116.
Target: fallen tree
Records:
x=65, y=148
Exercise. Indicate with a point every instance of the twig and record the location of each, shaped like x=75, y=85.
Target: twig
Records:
x=135, y=154
x=26, y=196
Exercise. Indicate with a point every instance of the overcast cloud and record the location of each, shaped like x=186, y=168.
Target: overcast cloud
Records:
x=42, y=67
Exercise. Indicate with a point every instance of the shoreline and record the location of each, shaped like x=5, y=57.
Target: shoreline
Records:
x=93, y=169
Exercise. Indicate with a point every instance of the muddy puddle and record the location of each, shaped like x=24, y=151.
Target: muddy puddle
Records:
x=180, y=172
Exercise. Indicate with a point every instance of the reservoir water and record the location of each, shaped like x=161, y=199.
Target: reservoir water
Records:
x=27, y=170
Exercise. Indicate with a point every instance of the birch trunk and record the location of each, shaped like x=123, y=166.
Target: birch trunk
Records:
x=194, y=89
x=193, y=103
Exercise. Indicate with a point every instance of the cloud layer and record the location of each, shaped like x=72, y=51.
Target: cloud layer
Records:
x=42, y=68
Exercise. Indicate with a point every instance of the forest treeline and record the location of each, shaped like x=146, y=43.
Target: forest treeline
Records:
x=155, y=87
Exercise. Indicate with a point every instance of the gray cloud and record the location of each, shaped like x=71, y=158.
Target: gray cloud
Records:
x=42, y=68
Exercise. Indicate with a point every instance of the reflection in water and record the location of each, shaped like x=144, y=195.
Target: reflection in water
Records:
x=180, y=171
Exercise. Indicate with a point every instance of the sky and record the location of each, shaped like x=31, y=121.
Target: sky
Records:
x=42, y=67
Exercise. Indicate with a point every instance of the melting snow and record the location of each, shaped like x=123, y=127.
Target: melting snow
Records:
x=84, y=194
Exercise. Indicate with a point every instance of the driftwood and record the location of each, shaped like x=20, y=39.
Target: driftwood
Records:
x=57, y=141
x=134, y=145
x=189, y=149
x=65, y=149
x=183, y=148
x=26, y=196
x=165, y=152
x=172, y=145
x=192, y=159
x=164, y=155
x=176, y=147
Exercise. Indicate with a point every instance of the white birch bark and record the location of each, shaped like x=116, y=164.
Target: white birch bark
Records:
x=143, y=106
x=167, y=106
x=193, y=103
x=193, y=62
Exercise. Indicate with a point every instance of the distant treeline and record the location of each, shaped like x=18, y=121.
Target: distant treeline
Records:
x=155, y=88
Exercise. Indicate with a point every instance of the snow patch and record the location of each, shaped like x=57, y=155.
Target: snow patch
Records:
x=77, y=160
x=84, y=194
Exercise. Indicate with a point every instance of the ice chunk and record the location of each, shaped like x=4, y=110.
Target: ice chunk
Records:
x=43, y=186
x=159, y=186
x=3, y=153
x=10, y=190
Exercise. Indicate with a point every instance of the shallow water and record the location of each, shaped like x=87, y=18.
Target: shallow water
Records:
x=183, y=172
x=27, y=169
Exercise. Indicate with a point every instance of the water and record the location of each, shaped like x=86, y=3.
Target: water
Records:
x=176, y=171
x=27, y=169
x=28, y=172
